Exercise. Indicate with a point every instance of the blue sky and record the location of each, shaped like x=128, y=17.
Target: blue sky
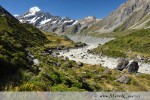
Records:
x=76, y=9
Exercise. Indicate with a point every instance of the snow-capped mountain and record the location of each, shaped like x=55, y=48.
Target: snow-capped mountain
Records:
x=51, y=23
x=45, y=20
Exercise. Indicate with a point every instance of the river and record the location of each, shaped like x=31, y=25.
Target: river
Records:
x=82, y=55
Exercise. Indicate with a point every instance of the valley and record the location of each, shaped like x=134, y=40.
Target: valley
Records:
x=82, y=55
x=40, y=51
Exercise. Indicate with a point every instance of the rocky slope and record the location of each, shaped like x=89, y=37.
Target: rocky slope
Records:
x=133, y=14
x=46, y=21
x=51, y=23
x=82, y=25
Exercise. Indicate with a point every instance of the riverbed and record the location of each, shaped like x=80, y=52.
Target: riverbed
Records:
x=82, y=55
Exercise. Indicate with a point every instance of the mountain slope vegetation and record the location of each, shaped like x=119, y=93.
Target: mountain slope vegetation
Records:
x=14, y=38
x=131, y=45
x=19, y=72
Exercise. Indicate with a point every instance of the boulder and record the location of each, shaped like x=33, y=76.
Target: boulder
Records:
x=124, y=79
x=39, y=69
x=66, y=58
x=60, y=47
x=58, y=64
x=89, y=51
x=107, y=71
x=122, y=63
x=80, y=64
x=133, y=67
x=71, y=55
x=36, y=62
x=102, y=61
x=67, y=49
x=57, y=54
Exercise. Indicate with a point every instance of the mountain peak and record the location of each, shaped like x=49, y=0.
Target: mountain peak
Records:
x=34, y=10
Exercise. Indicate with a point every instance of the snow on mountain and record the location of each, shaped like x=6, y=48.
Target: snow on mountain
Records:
x=15, y=15
x=34, y=10
x=51, y=23
x=45, y=21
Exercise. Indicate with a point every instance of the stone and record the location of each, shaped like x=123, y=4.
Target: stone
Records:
x=80, y=64
x=60, y=47
x=36, y=62
x=118, y=76
x=66, y=58
x=107, y=71
x=124, y=79
x=58, y=64
x=89, y=51
x=71, y=55
x=122, y=64
x=102, y=60
x=133, y=67
x=39, y=69
x=57, y=53
x=61, y=56
x=68, y=50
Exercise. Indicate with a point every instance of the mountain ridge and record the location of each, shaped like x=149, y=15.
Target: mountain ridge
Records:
x=133, y=14
x=45, y=20
x=51, y=23
x=127, y=16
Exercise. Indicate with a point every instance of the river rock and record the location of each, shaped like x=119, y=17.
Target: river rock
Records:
x=133, y=67
x=61, y=56
x=48, y=50
x=81, y=45
x=66, y=58
x=122, y=63
x=60, y=47
x=71, y=55
x=102, y=60
x=80, y=64
x=124, y=79
x=57, y=53
x=89, y=51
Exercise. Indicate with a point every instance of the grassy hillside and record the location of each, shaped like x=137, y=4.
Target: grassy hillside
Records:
x=14, y=38
x=131, y=45
x=57, y=74
x=18, y=73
